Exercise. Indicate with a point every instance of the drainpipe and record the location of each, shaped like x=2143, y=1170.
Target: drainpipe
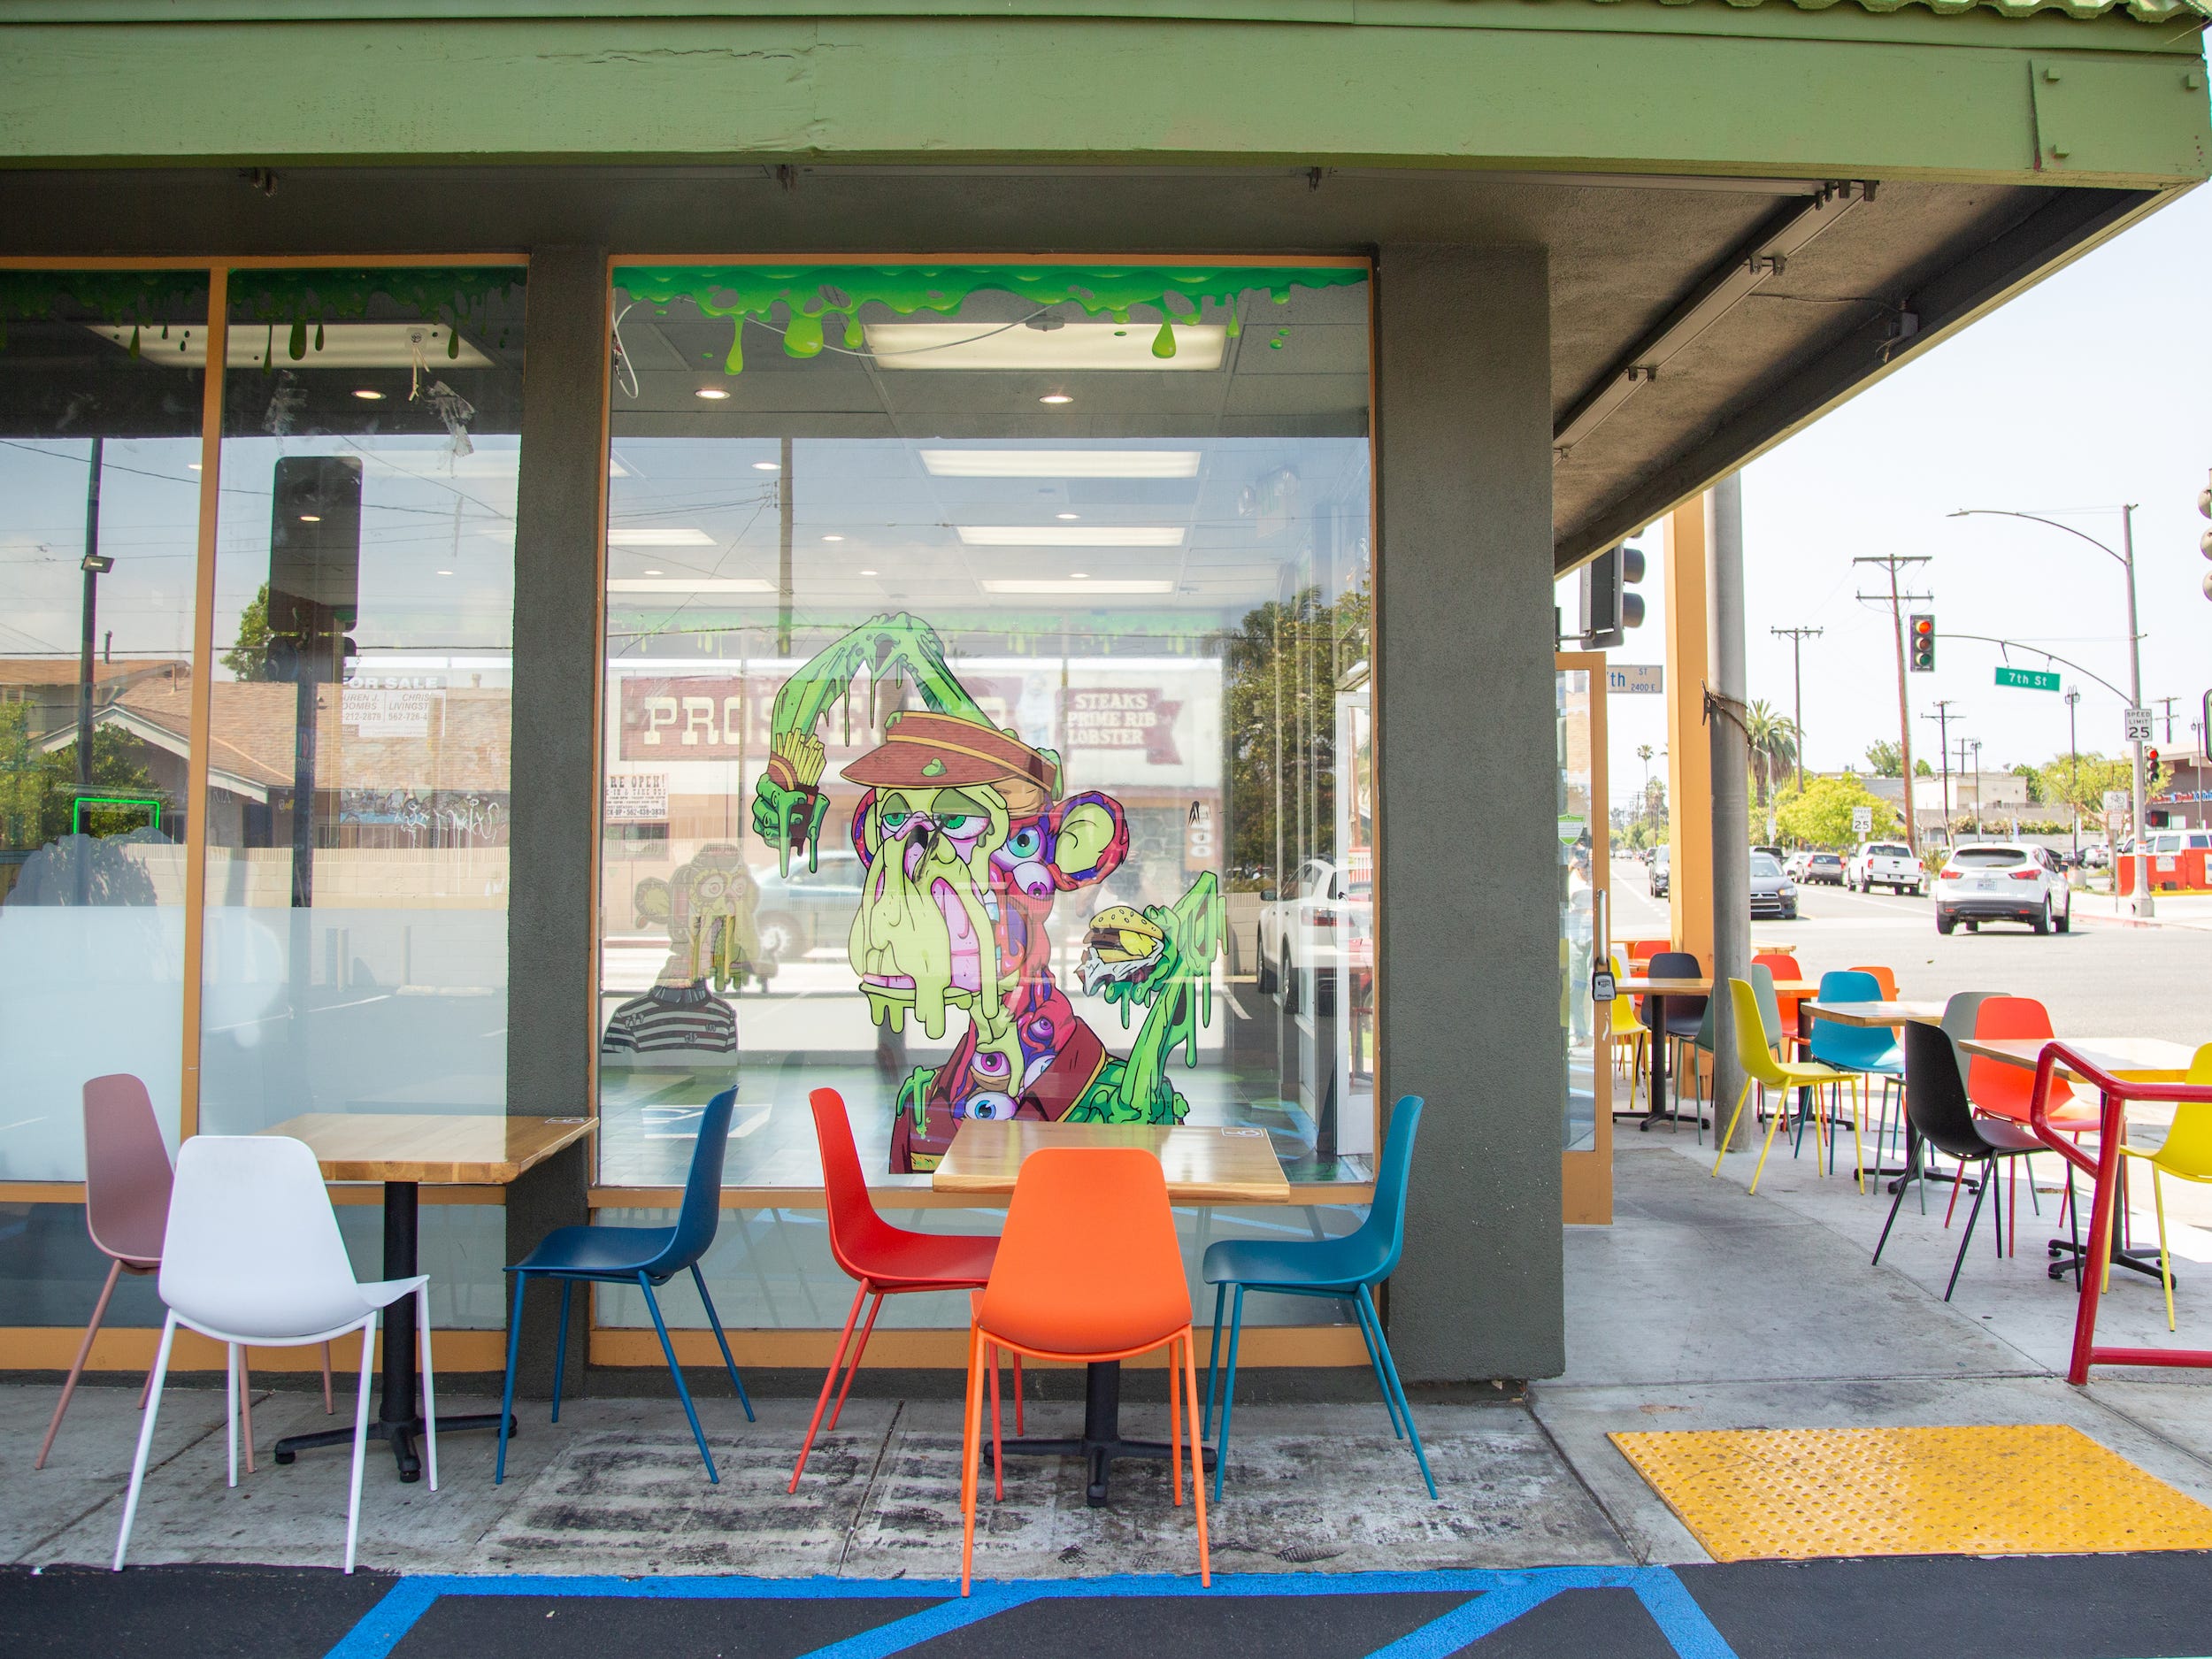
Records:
x=1726, y=688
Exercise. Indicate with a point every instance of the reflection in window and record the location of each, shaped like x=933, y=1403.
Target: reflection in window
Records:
x=357, y=880
x=988, y=649
x=100, y=418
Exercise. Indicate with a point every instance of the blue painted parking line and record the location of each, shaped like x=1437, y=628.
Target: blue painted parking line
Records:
x=1496, y=1599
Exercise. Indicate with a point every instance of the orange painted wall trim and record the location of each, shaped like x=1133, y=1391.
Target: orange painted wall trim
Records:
x=1689, y=758
x=51, y=1347
x=944, y=1350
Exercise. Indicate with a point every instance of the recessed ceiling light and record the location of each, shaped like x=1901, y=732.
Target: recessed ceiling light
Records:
x=195, y=466
x=659, y=535
x=833, y=538
x=655, y=573
x=1056, y=397
x=767, y=466
x=368, y=394
x=1071, y=535
x=1067, y=515
x=1061, y=462
x=712, y=394
x=1079, y=576
x=690, y=585
x=1071, y=586
x=867, y=572
x=1081, y=345
x=445, y=572
x=311, y=518
x=344, y=346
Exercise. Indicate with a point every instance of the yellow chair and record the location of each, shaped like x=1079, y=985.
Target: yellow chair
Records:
x=2186, y=1155
x=1628, y=1045
x=1755, y=1052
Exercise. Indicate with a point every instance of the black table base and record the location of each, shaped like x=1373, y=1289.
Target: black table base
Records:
x=1101, y=1442
x=398, y=1421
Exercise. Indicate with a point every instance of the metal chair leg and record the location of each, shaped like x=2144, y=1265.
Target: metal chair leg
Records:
x=560, y=1348
x=1896, y=1204
x=1228, y=1393
x=507, y=1397
x=714, y=1320
x=1405, y=1406
x=1981, y=1191
x=1374, y=1358
x=77, y=1365
x=1213, y=1361
x=677, y=1371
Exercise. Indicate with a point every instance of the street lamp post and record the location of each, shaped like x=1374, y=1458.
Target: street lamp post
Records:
x=2073, y=770
x=94, y=566
x=2145, y=905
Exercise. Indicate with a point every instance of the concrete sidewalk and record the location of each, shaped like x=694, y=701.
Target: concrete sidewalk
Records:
x=1701, y=1306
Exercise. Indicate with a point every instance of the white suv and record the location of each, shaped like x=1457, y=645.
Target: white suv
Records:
x=2002, y=881
x=1884, y=864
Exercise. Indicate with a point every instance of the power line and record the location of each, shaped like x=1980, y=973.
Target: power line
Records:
x=1797, y=638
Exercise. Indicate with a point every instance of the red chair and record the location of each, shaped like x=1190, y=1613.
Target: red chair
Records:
x=1883, y=977
x=126, y=1182
x=886, y=1260
x=1783, y=966
x=1998, y=1090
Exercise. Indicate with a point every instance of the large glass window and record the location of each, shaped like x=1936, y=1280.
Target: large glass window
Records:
x=987, y=713
x=356, y=879
x=100, y=423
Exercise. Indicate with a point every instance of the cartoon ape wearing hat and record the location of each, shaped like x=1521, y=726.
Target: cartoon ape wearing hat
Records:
x=965, y=841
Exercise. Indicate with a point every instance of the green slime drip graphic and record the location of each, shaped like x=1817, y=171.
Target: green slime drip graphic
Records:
x=811, y=295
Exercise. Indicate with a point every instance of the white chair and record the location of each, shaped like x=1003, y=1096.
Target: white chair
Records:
x=252, y=1255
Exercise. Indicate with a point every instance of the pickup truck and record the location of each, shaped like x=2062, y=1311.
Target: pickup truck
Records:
x=1885, y=864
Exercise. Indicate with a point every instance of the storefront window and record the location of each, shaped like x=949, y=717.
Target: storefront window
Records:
x=100, y=422
x=986, y=709
x=358, y=787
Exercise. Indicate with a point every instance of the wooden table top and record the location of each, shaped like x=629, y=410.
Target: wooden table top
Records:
x=1203, y=1163
x=1644, y=985
x=2136, y=1059
x=1876, y=1013
x=487, y=1149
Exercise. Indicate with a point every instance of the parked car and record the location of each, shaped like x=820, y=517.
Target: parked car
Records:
x=1662, y=862
x=2096, y=855
x=1772, y=893
x=1794, y=865
x=1774, y=853
x=2002, y=881
x=1826, y=868
x=1890, y=864
x=1310, y=926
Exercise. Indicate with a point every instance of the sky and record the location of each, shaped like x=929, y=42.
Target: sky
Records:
x=2092, y=389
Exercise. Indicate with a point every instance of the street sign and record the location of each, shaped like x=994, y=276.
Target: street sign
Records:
x=2115, y=800
x=1629, y=678
x=2028, y=679
x=2137, y=729
x=1861, y=820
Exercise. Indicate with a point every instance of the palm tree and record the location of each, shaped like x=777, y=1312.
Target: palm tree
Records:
x=1773, y=744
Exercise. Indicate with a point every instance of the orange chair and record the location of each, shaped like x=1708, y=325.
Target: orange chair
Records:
x=1998, y=1090
x=1088, y=1270
x=1783, y=966
x=1883, y=978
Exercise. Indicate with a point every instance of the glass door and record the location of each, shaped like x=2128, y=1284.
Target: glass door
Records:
x=1587, y=1143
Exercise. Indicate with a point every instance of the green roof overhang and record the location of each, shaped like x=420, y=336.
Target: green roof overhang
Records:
x=2098, y=92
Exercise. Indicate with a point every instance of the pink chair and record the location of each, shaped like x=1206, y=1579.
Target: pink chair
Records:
x=127, y=1210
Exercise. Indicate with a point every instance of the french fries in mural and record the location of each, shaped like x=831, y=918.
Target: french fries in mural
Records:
x=965, y=842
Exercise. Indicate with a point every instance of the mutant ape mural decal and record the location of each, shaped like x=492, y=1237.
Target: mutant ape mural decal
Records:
x=707, y=906
x=966, y=840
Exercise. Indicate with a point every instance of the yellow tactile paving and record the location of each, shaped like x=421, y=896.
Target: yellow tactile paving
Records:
x=2038, y=1488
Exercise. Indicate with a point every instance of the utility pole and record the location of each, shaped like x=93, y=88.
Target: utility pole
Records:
x=1797, y=638
x=2073, y=769
x=1974, y=743
x=1893, y=563
x=2168, y=715
x=1942, y=718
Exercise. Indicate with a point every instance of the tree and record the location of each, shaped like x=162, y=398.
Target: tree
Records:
x=248, y=659
x=2033, y=778
x=1885, y=759
x=2081, y=780
x=1822, y=816
x=1921, y=769
x=37, y=789
x=1773, y=746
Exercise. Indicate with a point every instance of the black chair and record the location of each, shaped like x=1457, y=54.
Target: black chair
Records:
x=1942, y=1118
x=1685, y=1018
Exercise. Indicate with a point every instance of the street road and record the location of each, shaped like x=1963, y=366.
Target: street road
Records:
x=2101, y=979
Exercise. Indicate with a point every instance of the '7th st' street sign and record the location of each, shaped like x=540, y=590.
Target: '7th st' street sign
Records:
x=2028, y=679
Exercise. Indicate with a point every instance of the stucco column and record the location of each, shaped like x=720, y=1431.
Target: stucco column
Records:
x=1728, y=753
x=553, y=839
x=1467, y=776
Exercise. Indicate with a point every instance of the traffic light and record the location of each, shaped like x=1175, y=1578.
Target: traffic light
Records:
x=2150, y=763
x=1922, y=655
x=1609, y=609
x=2204, y=543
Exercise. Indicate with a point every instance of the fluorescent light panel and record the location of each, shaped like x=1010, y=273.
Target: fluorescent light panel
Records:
x=690, y=585
x=1019, y=585
x=659, y=535
x=1061, y=462
x=1074, y=346
x=1072, y=535
x=345, y=346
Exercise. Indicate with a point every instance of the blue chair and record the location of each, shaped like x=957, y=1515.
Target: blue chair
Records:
x=1869, y=1051
x=643, y=1256
x=1341, y=1268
